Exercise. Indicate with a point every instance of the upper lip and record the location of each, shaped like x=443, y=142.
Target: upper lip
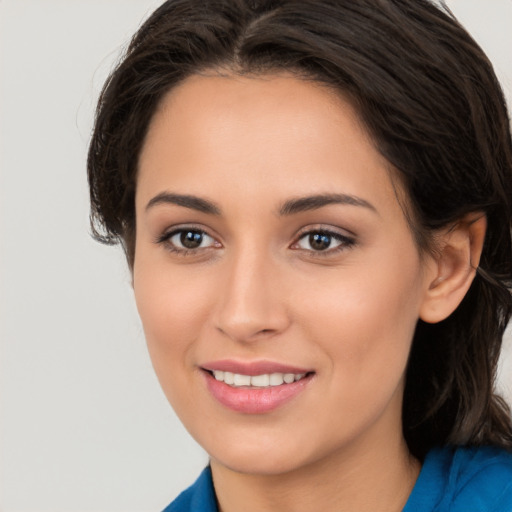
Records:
x=252, y=367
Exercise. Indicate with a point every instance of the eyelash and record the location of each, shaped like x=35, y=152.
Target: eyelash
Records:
x=345, y=242
x=165, y=239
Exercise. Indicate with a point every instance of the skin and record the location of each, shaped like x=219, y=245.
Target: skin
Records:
x=255, y=289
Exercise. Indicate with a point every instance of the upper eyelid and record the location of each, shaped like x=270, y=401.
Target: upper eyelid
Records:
x=330, y=230
x=178, y=231
x=172, y=230
x=333, y=234
x=343, y=239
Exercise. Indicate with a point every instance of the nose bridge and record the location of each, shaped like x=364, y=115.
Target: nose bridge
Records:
x=250, y=305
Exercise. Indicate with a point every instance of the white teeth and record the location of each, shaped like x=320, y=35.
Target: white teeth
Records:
x=242, y=380
x=276, y=379
x=258, y=381
x=289, y=378
x=218, y=374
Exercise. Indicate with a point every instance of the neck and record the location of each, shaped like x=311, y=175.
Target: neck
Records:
x=373, y=476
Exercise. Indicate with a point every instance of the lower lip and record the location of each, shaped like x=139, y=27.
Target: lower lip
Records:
x=249, y=400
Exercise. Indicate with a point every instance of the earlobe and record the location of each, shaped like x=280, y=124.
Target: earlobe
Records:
x=454, y=267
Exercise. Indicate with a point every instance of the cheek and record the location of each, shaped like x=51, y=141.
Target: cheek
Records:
x=365, y=321
x=172, y=313
x=172, y=308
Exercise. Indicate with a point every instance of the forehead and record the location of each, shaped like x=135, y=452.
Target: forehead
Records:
x=252, y=108
x=261, y=135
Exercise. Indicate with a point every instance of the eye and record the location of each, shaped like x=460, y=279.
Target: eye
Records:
x=187, y=239
x=323, y=241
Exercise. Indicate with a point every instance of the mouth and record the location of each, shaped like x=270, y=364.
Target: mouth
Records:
x=255, y=388
x=265, y=380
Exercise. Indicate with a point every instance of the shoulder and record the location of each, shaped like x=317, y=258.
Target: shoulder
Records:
x=482, y=479
x=199, y=497
x=462, y=479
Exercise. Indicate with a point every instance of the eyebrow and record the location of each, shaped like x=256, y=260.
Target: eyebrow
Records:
x=303, y=204
x=290, y=207
x=187, y=201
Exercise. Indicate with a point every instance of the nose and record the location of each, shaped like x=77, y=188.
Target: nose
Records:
x=251, y=305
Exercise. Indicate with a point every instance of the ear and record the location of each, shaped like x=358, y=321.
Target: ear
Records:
x=454, y=267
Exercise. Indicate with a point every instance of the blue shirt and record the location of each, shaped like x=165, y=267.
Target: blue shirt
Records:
x=451, y=480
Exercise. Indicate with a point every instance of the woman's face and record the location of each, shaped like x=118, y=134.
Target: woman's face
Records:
x=272, y=254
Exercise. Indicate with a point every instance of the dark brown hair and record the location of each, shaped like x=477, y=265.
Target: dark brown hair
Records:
x=429, y=98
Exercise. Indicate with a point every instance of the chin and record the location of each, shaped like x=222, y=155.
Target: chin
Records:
x=264, y=456
x=258, y=463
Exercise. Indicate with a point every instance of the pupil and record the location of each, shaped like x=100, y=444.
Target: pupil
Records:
x=191, y=239
x=319, y=241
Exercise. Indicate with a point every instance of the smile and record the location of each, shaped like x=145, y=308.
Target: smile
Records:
x=265, y=380
x=255, y=388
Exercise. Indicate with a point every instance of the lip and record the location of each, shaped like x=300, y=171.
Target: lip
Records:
x=249, y=400
x=253, y=367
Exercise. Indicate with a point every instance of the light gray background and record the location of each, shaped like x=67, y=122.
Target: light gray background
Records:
x=84, y=425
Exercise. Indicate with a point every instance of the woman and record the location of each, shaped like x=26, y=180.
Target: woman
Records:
x=315, y=201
